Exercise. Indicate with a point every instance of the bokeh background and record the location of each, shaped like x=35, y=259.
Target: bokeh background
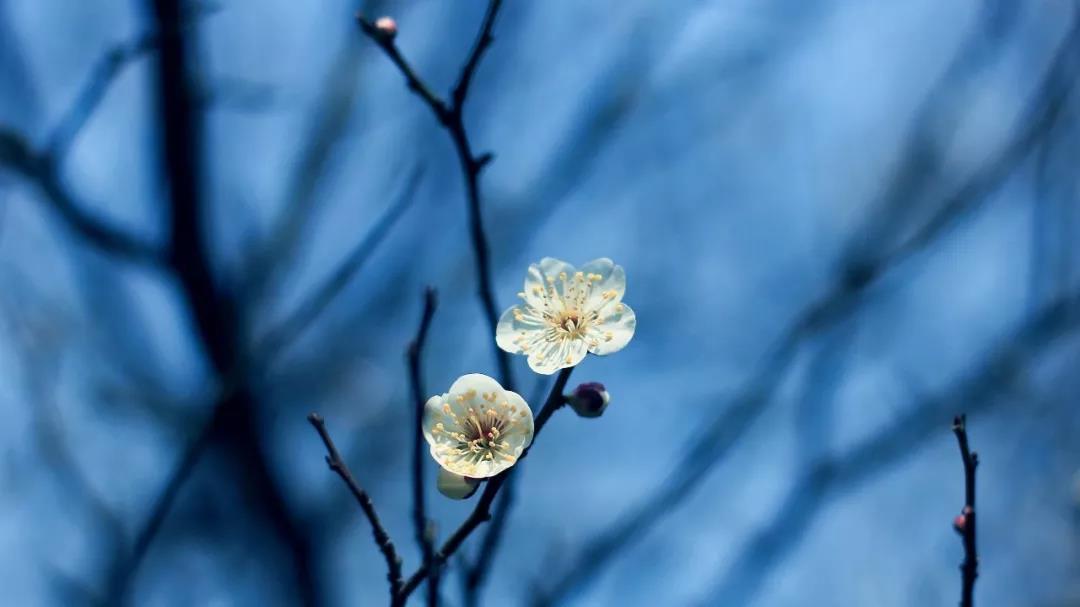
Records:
x=842, y=223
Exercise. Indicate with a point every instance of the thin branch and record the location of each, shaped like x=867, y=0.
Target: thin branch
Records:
x=424, y=531
x=482, y=512
x=382, y=538
x=475, y=574
x=415, y=84
x=480, y=45
x=17, y=155
x=101, y=77
x=965, y=523
x=322, y=296
x=451, y=117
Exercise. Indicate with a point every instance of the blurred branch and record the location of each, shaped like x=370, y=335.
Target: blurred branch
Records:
x=482, y=512
x=840, y=300
x=233, y=423
x=38, y=168
x=322, y=296
x=35, y=330
x=232, y=384
x=329, y=126
x=982, y=387
x=451, y=116
x=382, y=538
x=104, y=72
x=965, y=523
x=424, y=529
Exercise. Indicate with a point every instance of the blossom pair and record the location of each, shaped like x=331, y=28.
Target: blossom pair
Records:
x=478, y=428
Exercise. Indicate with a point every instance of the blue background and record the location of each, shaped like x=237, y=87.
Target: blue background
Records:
x=743, y=161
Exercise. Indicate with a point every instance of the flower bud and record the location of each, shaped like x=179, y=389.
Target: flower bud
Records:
x=455, y=486
x=961, y=520
x=386, y=26
x=589, y=399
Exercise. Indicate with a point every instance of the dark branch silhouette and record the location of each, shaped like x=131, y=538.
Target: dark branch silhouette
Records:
x=474, y=574
x=101, y=77
x=38, y=168
x=451, y=117
x=216, y=317
x=423, y=528
x=965, y=523
x=382, y=538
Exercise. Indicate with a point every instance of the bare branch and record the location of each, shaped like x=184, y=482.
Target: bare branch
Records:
x=382, y=538
x=424, y=530
x=451, y=118
x=480, y=45
x=475, y=574
x=234, y=421
x=414, y=82
x=965, y=523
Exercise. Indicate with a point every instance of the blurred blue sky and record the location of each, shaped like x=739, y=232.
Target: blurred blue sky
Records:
x=735, y=157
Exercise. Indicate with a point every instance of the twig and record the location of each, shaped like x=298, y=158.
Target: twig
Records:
x=451, y=117
x=475, y=574
x=480, y=45
x=482, y=512
x=382, y=538
x=965, y=523
x=424, y=531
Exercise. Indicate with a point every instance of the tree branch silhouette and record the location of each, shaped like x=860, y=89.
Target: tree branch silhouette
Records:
x=423, y=527
x=382, y=538
x=108, y=67
x=965, y=523
x=39, y=169
x=451, y=116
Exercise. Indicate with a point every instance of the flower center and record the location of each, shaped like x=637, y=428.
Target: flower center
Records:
x=570, y=324
x=480, y=437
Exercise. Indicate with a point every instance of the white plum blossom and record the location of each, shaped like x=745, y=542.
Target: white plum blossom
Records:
x=477, y=429
x=567, y=312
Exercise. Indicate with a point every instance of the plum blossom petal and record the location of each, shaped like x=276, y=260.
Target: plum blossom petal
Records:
x=566, y=313
x=477, y=429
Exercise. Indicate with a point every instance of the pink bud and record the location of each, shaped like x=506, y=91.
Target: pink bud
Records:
x=386, y=26
x=959, y=523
